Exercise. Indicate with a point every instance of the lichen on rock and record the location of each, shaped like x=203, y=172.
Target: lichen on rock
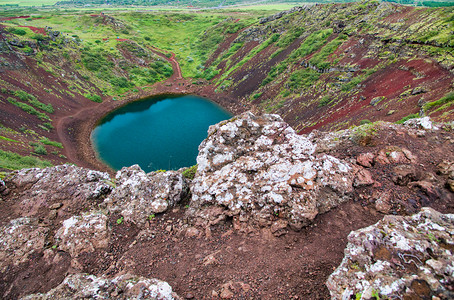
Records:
x=409, y=257
x=258, y=168
x=138, y=195
x=84, y=233
x=83, y=286
x=41, y=188
x=20, y=238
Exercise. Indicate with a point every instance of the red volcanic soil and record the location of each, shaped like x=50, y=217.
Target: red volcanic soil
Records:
x=254, y=265
x=12, y=18
x=35, y=29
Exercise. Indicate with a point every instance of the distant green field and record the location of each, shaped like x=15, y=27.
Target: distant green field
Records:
x=277, y=7
x=28, y=2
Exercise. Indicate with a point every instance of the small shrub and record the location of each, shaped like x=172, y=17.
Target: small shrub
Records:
x=324, y=101
x=40, y=150
x=120, y=220
x=363, y=122
x=94, y=98
x=257, y=95
x=17, y=31
x=363, y=134
x=190, y=172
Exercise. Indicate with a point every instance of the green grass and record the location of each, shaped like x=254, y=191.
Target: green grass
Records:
x=404, y=119
x=28, y=109
x=319, y=59
x=46, y=141
x=176, y=32
x=28, y=2
x=8, y=139
x=24, y=96
x=14, y=161
x=250, y=55
x=302, y=79
x=448, y=99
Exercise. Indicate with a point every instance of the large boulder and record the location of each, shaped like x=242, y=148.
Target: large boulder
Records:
x=258, y=170
x=139, y=195
x=19, y=239
x=85, y=233
x=83, y=286
x=409, y=257
x=71, y=188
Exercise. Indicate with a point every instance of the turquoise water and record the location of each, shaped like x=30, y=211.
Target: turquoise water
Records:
x=156, y=133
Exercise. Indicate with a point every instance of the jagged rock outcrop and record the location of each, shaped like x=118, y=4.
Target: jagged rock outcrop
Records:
x=139, y=195
x=66, y=186
x=83, y=286
x=85, y=233
x=258, y=170
x=409, y=257
x=19, y=239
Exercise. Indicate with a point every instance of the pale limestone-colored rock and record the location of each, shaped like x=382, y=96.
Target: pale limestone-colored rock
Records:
x=139, y=195
x=421, y=123
x=68, y=185
x=20, y=238
x=254, y=167
x=85, y=233
x=389, y=257
x=83, y=286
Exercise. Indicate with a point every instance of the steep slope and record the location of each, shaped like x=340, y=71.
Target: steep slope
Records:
x=318, y=66
x=332, y=66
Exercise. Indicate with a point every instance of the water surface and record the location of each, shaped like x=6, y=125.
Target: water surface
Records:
x=156, y=133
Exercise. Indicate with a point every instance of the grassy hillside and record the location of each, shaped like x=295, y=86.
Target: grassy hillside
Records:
x=345, y=64
x=319, y=66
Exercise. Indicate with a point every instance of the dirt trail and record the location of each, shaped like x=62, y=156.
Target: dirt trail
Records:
x=175, y=65
x=74, y=130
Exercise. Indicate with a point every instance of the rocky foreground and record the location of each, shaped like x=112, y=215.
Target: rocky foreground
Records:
x=91, y=236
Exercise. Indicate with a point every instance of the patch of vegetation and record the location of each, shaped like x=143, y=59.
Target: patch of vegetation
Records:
x=290, y=37
x=311, y=44
x=324, y=101
x=363, y=134
x=404, y=119
x=14, y=161
x=251, y=54
x=319, y=59
x=17, y=31
x=448, y=99
x=190, y=172
x=24, y=96
x=28, y=109
x=94, y=98
x=302, y=79
x=46, y=141
x=348, y=86
x=8, y=139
